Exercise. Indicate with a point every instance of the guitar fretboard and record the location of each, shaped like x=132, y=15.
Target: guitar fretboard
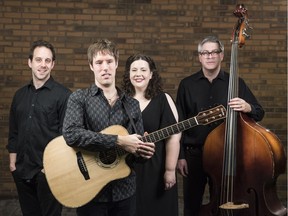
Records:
x=203, y=118
x=168, y=131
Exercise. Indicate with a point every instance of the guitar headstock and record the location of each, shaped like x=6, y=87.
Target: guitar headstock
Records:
x=242, y=28
x=211, y=115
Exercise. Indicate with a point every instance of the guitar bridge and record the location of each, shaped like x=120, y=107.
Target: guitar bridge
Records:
x=82, y=166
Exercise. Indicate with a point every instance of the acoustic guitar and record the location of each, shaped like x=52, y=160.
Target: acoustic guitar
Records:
x=75, y=176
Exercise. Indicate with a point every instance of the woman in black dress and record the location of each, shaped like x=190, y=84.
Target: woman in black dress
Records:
x=156, y=192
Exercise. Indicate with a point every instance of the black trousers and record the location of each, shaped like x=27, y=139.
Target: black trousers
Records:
x=194, y=184
x=120, y=208
x=35, y=196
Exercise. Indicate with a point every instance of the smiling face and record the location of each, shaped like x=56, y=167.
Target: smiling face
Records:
x=41, y=65
x=140, y=74
x=210, y=57
x=104, y=67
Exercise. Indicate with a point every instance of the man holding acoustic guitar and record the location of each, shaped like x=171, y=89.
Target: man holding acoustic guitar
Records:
x=101, y=121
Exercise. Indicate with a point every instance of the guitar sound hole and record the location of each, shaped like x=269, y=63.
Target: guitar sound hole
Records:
x=108, y=157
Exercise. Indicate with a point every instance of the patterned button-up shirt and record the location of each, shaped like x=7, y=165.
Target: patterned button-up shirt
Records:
x=88, y=113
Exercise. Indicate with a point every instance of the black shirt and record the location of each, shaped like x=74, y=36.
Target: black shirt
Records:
x=196, y=93
x=88, y=113
x=36, y=117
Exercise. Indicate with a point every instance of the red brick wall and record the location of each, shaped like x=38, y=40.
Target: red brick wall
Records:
x=168, y=30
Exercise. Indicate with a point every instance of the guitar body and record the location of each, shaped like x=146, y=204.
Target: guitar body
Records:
x=74, y=184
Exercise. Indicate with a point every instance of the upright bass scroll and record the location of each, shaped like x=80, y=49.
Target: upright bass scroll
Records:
x=242, y=29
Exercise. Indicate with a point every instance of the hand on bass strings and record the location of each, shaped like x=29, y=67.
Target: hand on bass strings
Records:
x=240, y=105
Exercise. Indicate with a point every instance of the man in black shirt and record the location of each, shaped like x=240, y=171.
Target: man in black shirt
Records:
x=36, y=117
x=90, y=111
x=202, y=90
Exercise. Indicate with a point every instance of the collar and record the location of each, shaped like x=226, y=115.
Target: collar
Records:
x=48, y=84
x=94, y=90
x=200, y=75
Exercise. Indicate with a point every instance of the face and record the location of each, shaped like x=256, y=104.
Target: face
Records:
x=140, y=74
x=211, y=59
x=41, y=64
x=104, y=67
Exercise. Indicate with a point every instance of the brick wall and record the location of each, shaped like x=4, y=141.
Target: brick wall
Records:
x=168, y=30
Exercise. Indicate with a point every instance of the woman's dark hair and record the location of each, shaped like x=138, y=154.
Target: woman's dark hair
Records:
x=155, y=84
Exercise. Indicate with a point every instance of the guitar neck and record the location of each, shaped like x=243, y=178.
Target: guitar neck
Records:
x=203, y=118
x=170, y=130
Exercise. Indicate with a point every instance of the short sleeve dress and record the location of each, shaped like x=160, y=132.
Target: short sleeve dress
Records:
x=152, y=198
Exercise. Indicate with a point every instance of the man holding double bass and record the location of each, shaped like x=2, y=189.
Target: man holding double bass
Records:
x=206, y=88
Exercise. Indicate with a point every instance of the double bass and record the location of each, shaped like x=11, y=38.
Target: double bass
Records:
x=242, y=159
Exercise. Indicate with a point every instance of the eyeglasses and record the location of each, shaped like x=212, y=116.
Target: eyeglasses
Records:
x=213, y=53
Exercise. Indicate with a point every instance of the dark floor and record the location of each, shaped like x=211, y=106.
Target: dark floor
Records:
x=10, y=207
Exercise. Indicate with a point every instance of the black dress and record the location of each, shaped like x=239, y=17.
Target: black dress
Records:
x=151, y=197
